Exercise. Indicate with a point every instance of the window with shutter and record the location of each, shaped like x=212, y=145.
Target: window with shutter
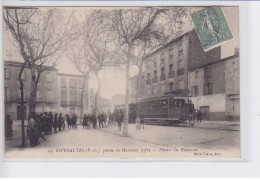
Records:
x=73, y=83
x=80, y=84
x=7, y=93
x=63, y=83
x=49, y=78
x=49, y=96
x=7, y=74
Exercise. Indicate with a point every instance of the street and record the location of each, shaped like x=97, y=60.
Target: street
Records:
x=183, y=140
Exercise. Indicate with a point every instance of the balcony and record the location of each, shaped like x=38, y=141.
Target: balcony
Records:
x=155, y=79
x=171, y=74
x=148, y=82
x=180, y=71
x=162, y=77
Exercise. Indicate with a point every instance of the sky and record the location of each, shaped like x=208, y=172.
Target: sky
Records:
x=113, y=80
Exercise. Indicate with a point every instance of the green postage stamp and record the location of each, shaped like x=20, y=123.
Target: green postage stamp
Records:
x=212, y=27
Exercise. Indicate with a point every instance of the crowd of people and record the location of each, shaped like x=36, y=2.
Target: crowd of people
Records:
x=103, y=120
x=48, y=123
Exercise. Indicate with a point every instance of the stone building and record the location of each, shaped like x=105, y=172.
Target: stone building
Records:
x=183, y=68
x=70, y=90
x=136, y=88
x=207, y=85
x=56, y=92
x=232, y=86
x=46, y=94
x=166, y=69
x=215, y=88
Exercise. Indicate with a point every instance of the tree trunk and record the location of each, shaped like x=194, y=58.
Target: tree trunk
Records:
x=22, y=103
x=88, y=89
x=97, y=93
x=139, y=83
x=125, y=128
x=32, y=100
x=81, y=99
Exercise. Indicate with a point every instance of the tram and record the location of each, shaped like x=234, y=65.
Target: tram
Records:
x=164, y=110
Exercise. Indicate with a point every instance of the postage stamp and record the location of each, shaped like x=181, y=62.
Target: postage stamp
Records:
x=212, y=27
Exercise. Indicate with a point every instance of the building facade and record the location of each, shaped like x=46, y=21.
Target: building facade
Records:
x=70, y=91
x=215, y=89
x=46, y=94
x=232, y=86
x=52, y=93
x=167, y=69
x=183, y=68
x=136, y=88
x=207, y=85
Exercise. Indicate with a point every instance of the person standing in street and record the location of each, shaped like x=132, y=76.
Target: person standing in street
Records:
x=120, y=119
x=8, y=126
x=63, y=124
x=68, y=121
x=94, y=121
x=100, y=120
x=55, y=123
x=45, y=123
x=84, y=124
x=74, y=121
x=138, y=122
x=199, y=114
x=32, y=130
x=50, y=122
x=60, y=121
x=88, y=121
x=105, y=119
x=39, y=126
x=141, y=120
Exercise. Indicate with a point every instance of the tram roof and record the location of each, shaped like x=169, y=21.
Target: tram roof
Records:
x=165, y=96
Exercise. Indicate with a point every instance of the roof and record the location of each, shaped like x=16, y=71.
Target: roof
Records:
x=19, y=64
x=70, y=75
x=173, y=41
x=165, y=96
x=137, y=76
x=216, y=62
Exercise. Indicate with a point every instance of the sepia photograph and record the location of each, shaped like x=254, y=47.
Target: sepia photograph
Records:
x=143, y=82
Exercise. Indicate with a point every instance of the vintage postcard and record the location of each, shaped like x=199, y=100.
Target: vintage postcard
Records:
x=121, y=82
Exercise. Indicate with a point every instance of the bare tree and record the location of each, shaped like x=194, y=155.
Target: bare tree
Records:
x=80, y=63
x=41, y=36
x=132, y=25
x=92, y=52
x=168, y=27
x=25, y=19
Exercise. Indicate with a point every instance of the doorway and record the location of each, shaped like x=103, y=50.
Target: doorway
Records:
x=205, y=112
x=19, y=112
